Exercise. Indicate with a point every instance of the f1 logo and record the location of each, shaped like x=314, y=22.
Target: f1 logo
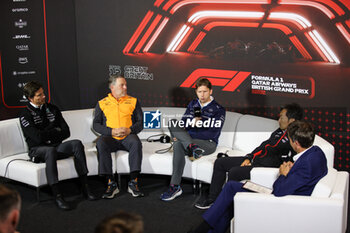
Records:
x=151, y=119
x=229, y=79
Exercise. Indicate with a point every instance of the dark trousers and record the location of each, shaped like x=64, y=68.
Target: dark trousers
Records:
x=50, y=155
x=106, y=145
x=230, y=165
x=219, y=215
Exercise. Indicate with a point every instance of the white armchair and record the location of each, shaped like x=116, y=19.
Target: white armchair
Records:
x=323, y=212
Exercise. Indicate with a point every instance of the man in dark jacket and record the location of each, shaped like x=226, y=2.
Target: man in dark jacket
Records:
x=196, y=134
x=269, y=154
x=44, y=130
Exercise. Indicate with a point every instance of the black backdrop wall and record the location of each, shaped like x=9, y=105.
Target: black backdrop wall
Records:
x=258, y=56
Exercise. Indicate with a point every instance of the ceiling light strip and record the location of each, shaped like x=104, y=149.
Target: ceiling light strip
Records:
x=319, y=45
x=177, y=48
x=183, y=3
x=332, y=5
x=157, y=3
x=326, y=47
x=211, y=25
x=291, y=17
x=181, y=38
x=169, y=4
x=300, y=47
x=196, y=42
x=198, y=16
x=313, y=43
x=343, y=31
x=346, y=3
x=175, y=41
x=156, y=34
x=281, y=27
x=138, y=32
x=320, y=7
x=348, y=22
x=148, y=33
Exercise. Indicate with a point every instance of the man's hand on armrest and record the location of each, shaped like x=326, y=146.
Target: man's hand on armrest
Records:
x=246, y=162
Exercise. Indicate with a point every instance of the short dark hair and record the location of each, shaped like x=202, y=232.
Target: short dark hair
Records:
x=9, y=200
x=293, y=111
x=203, y=82
x=112, y=79
x=303, y=132
x=31, y=88
x=121, y=222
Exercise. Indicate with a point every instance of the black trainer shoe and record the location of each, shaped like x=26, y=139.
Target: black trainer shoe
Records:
x=111, y=191
x=61, y=203
x=204, y=204
x=133, y=188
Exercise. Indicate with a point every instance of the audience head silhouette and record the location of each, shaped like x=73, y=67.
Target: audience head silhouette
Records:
x=121, y=222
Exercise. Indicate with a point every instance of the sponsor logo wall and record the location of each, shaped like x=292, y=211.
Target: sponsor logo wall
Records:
x=23, y=51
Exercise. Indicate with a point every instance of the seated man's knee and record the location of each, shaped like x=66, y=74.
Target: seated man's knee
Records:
x=135, y=141
x=51, y=153
x=101, y=143
x=219, y=162
x=177, y=145
x=77, y=144
x=233, y=185
x=237, y=174
x=173, y=124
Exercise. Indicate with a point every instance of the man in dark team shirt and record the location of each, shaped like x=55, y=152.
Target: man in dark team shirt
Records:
x=268, y=154
x=44, y=130
x=196, y=134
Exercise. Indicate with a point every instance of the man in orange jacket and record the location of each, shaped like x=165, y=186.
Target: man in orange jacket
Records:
x=119, y=118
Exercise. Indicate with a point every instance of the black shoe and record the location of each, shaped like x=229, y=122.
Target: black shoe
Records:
x=111, y=191
x=133, y=188
x=88, y=194
x=61, y=203
x=204, y=204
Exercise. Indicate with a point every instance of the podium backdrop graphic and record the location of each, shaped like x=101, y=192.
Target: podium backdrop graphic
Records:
x=259, y=55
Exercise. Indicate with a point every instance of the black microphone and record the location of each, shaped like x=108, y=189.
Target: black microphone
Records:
x=197, y=111
x=162, y=139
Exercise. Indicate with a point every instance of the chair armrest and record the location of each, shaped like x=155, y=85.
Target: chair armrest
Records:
x=264, y=176
x=341, y=191
x=289, y=214
x=327, y=148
